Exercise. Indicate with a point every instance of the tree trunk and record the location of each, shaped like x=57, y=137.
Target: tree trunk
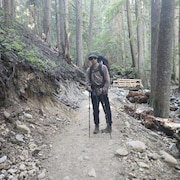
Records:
x=162, y=96
x=8, y=7
x=47, y=20
x=179, y=47
x=57, y=9
x=79, y=46
x=90, y=26
x=155, y=19
x=175, y=46
x=36, y=28
x=66, y=26
x=63, y=28
x=122, y=37
x=131, y=36
x=141, y=73
x=32, y=23
x=12, y=8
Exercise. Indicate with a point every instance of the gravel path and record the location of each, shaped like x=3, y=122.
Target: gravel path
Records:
x=75, y=156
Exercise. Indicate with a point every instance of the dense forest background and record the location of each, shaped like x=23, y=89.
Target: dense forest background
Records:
x=137, y=35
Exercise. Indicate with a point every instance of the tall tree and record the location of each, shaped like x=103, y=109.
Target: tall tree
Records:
x=175, y=61
x=141, y=72
x=8, y=7
x=90, y=26
x=155, y=20
x=131, y=36
x=179, y=47
x=67, y=53
x=79, y=45
x=122, y=36
x=162, y=96
x=57, y=25
x=63, y=30
x=47, y=20
x=33, y=16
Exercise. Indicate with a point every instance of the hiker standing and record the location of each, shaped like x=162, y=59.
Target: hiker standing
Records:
x=98, y=82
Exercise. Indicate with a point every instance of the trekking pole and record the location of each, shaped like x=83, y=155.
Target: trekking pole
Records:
x=89, y=112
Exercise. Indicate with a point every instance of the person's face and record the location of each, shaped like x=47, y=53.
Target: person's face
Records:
x=93, y=60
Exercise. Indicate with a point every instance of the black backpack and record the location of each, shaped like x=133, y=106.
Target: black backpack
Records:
x=104, y=60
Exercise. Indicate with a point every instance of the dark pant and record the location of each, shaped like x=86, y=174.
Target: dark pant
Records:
x=106, y=107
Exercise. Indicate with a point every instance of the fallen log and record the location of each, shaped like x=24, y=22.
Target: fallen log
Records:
x=138, y=96
x=165, y=125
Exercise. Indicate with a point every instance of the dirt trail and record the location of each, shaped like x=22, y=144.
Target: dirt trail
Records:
x=75, y=156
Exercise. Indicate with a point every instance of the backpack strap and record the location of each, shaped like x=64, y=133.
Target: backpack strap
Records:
x=102, y=73
x=90, y=74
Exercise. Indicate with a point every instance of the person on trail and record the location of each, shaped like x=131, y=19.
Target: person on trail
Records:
x=98, y=82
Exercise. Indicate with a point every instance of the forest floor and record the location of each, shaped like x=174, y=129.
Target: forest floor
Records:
x=131, y=152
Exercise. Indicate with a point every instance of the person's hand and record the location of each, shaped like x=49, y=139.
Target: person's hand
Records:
x=100, y=91
x=88, y=88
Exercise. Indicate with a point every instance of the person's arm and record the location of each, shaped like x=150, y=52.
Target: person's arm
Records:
x=88, y=83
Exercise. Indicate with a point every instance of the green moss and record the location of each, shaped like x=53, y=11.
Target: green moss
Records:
x=12, y=42
x=124, y=71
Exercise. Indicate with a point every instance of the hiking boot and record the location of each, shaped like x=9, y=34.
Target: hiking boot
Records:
x=108, y=129
x=96, y=130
